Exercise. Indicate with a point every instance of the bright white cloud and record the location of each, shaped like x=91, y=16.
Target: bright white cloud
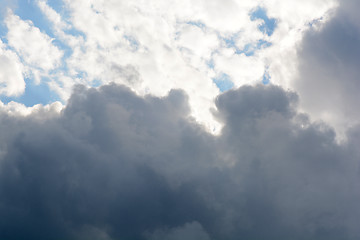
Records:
x=156, y=46
x=20, y=110
x=54, y=17
x=36, y=48
x=293, y=20
x=11, y=72
x=294, y=13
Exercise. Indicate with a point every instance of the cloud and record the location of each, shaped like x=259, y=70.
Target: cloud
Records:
x=34, y=47
x=115, y=165
x=191, y=231
x=329, y=73
x=11, y=72
x=140, y=163
x=157, y=46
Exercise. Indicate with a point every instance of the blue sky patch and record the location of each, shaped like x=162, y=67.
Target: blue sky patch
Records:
x=3, y=31
x=34, y=94
x=210, y=63
x=96, y=83
x=134, y=44
x=29, y=10
x=266, y=78
x=230, y=41
x=249, y=49
x=223, y=82
x=57, y=5
x=269, y=24
x=197, y=24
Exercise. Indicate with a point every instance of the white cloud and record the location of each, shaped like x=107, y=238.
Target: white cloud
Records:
x=160, y=41
x=172, y=44
x=155, y=46
x=241, y=68
x=20, y=110
x=36, y=48
x=295, y=14
x=11, y=72
x=54, y=17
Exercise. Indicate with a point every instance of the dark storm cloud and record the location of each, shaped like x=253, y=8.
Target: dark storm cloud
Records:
x=114, y=165
x=329, y=66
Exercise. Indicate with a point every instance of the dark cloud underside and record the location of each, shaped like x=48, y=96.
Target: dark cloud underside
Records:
x=117, y=166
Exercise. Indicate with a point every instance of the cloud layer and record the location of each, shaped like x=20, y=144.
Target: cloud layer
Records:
x=153, y=47
x=113, y=165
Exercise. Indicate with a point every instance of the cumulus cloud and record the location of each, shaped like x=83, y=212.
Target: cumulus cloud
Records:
x=161, y=45
x=328, y=71
x=137, y=161
x=114, y=165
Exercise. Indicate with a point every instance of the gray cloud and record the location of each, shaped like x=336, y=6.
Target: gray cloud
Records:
x=329, y=74
x=129, y=73
x=190, y=231
x=114, y=165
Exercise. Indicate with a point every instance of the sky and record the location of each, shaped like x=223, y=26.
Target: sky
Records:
x=178, y=119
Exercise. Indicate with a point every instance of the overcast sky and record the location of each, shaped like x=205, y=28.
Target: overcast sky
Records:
x=179, y=120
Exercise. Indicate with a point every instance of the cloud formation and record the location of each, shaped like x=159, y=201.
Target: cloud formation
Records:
x=153, y=47
x=114, y=165
x=328, y=80
x=130, y=157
